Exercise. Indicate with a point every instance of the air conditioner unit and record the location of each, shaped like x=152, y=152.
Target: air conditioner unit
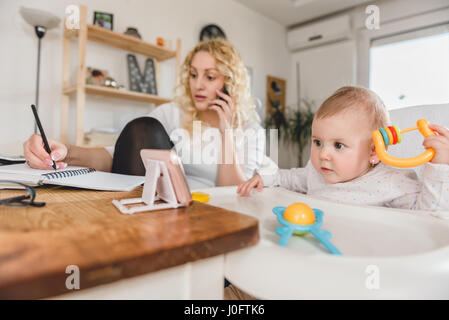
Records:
x=329, y=30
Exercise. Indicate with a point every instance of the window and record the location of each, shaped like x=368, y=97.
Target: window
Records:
x=411, y=68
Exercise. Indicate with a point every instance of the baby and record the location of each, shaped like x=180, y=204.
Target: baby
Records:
x=344, y=166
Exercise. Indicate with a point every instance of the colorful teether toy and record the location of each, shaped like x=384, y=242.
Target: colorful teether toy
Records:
x=299, y=217
x=391, y=135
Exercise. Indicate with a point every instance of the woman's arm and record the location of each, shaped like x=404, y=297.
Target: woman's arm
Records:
x=229, y=171
x=63, y=155
x=96, y=158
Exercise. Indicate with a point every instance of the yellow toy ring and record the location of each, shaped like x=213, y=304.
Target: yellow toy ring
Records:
x=423, y=126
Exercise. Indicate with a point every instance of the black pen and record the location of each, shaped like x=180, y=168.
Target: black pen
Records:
x=38, y=122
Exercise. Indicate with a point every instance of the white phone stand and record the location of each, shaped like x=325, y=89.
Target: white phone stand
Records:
x=157, y=180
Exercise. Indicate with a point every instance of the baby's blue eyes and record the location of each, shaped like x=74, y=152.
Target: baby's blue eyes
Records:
x=337, y=145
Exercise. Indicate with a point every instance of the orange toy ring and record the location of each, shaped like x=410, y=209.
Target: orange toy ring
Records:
x=379, y=143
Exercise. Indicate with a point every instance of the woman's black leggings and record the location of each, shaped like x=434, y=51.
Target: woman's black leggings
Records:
x=140, y=133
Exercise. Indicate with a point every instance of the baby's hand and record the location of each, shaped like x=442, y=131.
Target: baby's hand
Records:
x=245, y=188
x=440, y=143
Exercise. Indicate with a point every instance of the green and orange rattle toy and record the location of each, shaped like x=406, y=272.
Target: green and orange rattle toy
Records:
x=391, y=135
x=300, y=219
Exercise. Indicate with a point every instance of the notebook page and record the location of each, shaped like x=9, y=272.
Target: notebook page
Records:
x=99, y=181
x=24, y=169
x=93, y=180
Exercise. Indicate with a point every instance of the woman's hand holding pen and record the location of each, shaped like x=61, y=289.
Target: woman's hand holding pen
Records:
x=38, y=158
x=225, y=109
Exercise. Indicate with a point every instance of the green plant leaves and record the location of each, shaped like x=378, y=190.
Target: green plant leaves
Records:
x=294, y=128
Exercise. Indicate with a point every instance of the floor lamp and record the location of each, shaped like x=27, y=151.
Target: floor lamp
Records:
x=41, y=21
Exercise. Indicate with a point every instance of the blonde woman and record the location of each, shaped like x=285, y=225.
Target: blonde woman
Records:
x=212, y=101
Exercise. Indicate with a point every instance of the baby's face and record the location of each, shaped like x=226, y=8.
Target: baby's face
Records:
x=341, y=146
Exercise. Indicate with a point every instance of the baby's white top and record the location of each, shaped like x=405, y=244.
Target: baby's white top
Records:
x=382, y=186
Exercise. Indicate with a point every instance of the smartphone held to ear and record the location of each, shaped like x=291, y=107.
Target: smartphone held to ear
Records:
x=225, y=92
x=221, y=98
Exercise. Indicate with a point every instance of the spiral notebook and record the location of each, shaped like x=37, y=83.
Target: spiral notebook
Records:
x=77, y=177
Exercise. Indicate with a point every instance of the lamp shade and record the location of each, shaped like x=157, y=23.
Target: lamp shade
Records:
x=36, y=17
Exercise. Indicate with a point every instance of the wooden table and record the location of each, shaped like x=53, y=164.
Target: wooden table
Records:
x=83, y=228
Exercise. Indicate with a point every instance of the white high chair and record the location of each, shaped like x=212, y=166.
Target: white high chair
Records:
x=387, y=253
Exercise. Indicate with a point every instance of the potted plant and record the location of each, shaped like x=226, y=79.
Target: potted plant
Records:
x=299, y=124
x=277, y=120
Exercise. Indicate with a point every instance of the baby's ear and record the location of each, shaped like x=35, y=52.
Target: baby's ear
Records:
x=373, y=155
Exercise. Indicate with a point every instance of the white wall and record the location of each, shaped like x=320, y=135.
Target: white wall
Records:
x=261, y=43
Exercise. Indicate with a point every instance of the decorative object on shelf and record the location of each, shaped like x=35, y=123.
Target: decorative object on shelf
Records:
x=96, y=76
x=211, y=31
x=275, y=95
x=166, y=43
x=41, y=21
x=160, y=41
x=131, y=31
x=103, y=19
x=110, y=82
x=145, y=82
x=99, y=77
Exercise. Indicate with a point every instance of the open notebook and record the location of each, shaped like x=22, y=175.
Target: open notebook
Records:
x=78, y=177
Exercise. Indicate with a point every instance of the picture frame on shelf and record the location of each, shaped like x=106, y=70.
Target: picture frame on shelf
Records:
x=276, y=90
x=104, y=20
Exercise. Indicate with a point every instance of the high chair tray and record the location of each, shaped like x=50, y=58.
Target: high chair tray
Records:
x=387, y=253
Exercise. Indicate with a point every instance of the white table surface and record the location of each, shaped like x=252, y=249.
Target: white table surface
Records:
x=387, y=253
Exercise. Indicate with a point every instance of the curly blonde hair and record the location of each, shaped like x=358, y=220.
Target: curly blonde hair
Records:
x=229, y=64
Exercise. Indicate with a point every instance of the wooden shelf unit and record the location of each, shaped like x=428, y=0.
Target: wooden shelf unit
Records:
x=80, y=88
x=122, y=94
